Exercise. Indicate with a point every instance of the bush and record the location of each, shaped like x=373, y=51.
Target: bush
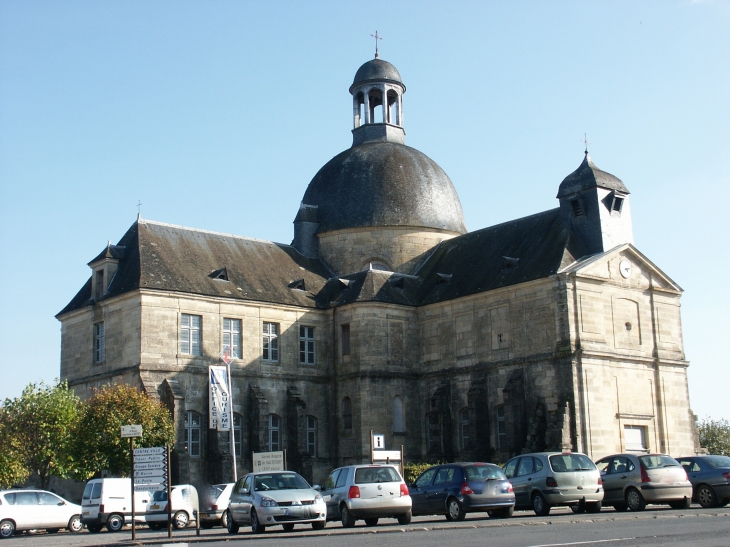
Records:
x=715, y=436
x=413, y=470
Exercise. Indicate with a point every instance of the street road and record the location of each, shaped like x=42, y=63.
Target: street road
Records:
x=656, y=526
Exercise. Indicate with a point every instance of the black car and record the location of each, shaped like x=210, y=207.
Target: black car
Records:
x=456, y=489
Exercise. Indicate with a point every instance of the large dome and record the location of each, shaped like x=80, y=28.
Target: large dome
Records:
x=384, y=184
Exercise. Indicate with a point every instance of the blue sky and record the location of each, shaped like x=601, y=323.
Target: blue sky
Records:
x=216, y=115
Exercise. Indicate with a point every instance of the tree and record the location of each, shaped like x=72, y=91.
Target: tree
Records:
x=39, y=424
x=98, y=441
x=715, y=436
x=12, y=468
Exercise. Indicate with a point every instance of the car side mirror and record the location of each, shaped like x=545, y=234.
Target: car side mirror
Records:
x=317, y=487
x=243, y=491
x=61, y=503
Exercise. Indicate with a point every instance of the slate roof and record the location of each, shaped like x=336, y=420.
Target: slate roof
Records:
x=377, y=70
x=589, y=176
x=384, y=184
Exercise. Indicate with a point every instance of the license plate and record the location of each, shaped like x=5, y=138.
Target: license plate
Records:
x=155, y=506
x=86, y=513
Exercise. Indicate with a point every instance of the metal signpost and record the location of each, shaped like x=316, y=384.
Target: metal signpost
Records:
x=132, y=431
x=150, y=474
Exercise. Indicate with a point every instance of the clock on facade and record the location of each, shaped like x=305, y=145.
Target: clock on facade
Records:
x=625, y=268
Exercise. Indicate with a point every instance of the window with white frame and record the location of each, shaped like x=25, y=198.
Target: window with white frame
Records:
x=99, y=343
x=192, y=433
x=274, y=433
x=312, y=436
x=306, y=345
x=398, y=426
x=635, y=437
x=464, y=427
x=190, y=334
x=271, y=342
x=232, y=337
x=499, y=419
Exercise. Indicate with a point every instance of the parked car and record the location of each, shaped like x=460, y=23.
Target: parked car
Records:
x=214, y=507
x=369, y=492
x=459, y=488
x=547, y=479
x=271, y=498
x=710, y=478
x=37, y=510
x=108, y=502
x=184, y=507
x=631, y=481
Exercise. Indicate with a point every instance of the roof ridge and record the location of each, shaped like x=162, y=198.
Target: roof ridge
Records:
x=211, y=232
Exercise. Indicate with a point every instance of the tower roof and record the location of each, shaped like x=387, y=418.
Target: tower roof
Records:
x=377, y=70
x=589, y=176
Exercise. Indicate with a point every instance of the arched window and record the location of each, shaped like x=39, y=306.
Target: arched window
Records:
x=433, y=432
x=398, y=423
x=464, y=427
x=312, y=436
x=274, y=433
x=347, y=413
x=192, y=433
x=499, y=419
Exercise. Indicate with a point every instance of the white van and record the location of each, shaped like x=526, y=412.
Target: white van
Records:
x=108, y=502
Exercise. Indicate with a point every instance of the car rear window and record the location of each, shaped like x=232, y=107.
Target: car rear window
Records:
x=563, y=463
x=718, y=461
x=483, y=472
x=658, y=461
x=366, y=475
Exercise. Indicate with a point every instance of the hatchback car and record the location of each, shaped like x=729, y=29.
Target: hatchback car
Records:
x=549, y=479
x=271, y=498
x=459, y=488
x=368, y=492
x=630, y=481
x=185, y=506
x=37, y=510
x=214, y=506
x=710, y=478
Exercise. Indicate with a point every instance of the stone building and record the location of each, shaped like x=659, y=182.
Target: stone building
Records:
x=546, y=332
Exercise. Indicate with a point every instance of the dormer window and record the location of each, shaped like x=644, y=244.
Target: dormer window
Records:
x=98, y=284
x=617, y=204
x=614, y=202
x=577, y=207
x=220, y=275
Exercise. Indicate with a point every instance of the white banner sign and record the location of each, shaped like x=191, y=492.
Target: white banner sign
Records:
x=382, y=455
x=268, y=461
x=219, y=399
x=148, y=451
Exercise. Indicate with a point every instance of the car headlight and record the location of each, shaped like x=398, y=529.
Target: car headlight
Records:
x=318, y=497
x=268, y=502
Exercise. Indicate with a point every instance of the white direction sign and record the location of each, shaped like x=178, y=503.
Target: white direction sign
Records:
x=149, y=480
x=161, y=473
x=150, y=465
x=148, y=451
x=150, y=458
x=131, y=431
x=149, y=487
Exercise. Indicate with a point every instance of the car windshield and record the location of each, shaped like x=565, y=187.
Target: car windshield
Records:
x=365, y=475
x=657, y=461
x=562, y=463
x=483, y=472
x=279, y=481
x=717, y=461
x=87, y=491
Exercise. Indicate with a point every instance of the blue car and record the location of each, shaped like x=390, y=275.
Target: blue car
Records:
x=710, y=478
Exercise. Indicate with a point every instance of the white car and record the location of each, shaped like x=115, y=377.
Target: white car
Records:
x=37, y=510
x=184, y=507
x=214, y=506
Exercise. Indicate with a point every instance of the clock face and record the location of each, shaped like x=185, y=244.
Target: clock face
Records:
x=625, y=268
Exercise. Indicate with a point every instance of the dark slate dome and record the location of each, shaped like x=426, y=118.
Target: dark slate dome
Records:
x=589, y=176
x=379, y=70
x=384, y=184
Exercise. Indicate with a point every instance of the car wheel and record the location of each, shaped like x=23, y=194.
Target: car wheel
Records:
x=224, y=519
x=231, y=524
x=505, y=513
x=180, y=520
x=685, y=503
x=621, y=507
x=706, y=496
x=723, y=503
x=540, y=505
x=115, y=523
x=594, y=507
x=454, y=510
x=371, y=521
x=52, y=530
x=256, y=526
x=635, y=500
x=288, y=527
x=75, y=525
x=348, y=521
x=94, y=528
x=578, y=508
x=7, y=529
x=319, y=525
x=405, y=518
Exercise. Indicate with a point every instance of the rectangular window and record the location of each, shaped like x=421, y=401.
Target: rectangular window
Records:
x=99, y=288
x=271, y=342
x=99, y=343
x=312, y=436
x=345, y=339
x=306, y=345
x=190, y=334
x=232, y=336
x=635, y=437
x=274, y=433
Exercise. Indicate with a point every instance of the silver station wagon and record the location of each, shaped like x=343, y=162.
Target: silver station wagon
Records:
x=549, y=479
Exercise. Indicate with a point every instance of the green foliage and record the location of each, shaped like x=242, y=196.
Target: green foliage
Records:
x=98, y=442
x=715, y=436
x=413, y=470
x=12, y=469
x=39, y=424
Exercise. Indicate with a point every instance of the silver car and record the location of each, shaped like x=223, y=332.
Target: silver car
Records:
x=367, y=492
x=274, y=498
x=549, y=479
x=630, y=481
x=36, y=510
x=710, y=478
